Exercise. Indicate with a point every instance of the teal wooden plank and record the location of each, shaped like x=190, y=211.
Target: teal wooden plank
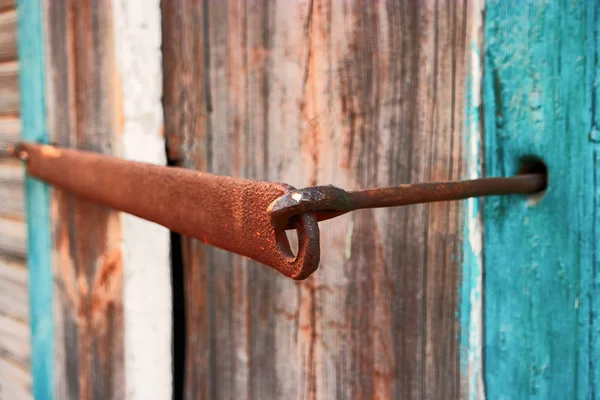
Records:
x=33, y=115
x=541, y=280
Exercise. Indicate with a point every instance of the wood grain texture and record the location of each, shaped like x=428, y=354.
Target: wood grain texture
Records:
x=15, y=381
x=9, y=87
x=12, y=201
x=8, y=35
x=15, y=337
x=85, y=111
x=13, y=241
x=14, y=302
x=10, y=130
x=542, y=294
x=356, y=94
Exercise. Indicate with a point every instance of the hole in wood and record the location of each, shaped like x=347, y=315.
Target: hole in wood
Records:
x=532, y=164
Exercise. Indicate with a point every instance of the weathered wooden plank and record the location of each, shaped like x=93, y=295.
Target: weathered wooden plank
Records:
x=542, y=294
x=13, y=270
x=9, y=88
x=10, y=130
x=15, y=381
x=15, y=341
x=14, y=301
x=13, y=241
x=8, y=35
x=147, y=287
x=185, y=116
x=356, y=94
x=12, y=201
x=85, y=111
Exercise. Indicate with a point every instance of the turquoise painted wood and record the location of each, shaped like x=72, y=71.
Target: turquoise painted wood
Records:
x=541, y=262
x=33, y=115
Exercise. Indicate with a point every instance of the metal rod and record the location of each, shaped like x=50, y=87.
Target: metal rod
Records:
x=416, y=193
x=329, y=201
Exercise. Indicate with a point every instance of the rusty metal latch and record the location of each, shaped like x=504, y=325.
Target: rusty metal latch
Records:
x=243, y=216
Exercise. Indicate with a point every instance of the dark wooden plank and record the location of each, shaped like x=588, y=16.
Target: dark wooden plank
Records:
x=84, y=112
x=9, y=88
x=8, y=35
x=185, y=117
x=358, y=95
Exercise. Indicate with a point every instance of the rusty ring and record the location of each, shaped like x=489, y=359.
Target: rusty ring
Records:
x=307, y=260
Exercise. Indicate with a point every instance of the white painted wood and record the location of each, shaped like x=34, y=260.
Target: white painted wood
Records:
x=147, y=286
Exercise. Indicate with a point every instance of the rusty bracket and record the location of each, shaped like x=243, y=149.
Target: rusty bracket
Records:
x=243, y=216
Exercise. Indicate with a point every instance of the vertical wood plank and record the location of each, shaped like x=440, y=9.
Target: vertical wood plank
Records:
x=8, y=35
x=353, y=93
x=35, y=128
x=9, y=87
x=540, y=97
x=145, y=245
x=85, y=111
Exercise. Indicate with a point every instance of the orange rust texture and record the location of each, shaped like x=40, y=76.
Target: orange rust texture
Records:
x=357, y=94
x=86, y=112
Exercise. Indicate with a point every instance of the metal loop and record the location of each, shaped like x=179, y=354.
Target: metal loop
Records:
x=325, y=201
x=309, y=250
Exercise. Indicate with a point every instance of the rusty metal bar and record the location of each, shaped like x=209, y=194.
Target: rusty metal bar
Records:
x=243, y=216
x=222, y=211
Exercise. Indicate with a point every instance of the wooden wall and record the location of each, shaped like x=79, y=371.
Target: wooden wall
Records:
x=15, y=347
x=353, y=93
